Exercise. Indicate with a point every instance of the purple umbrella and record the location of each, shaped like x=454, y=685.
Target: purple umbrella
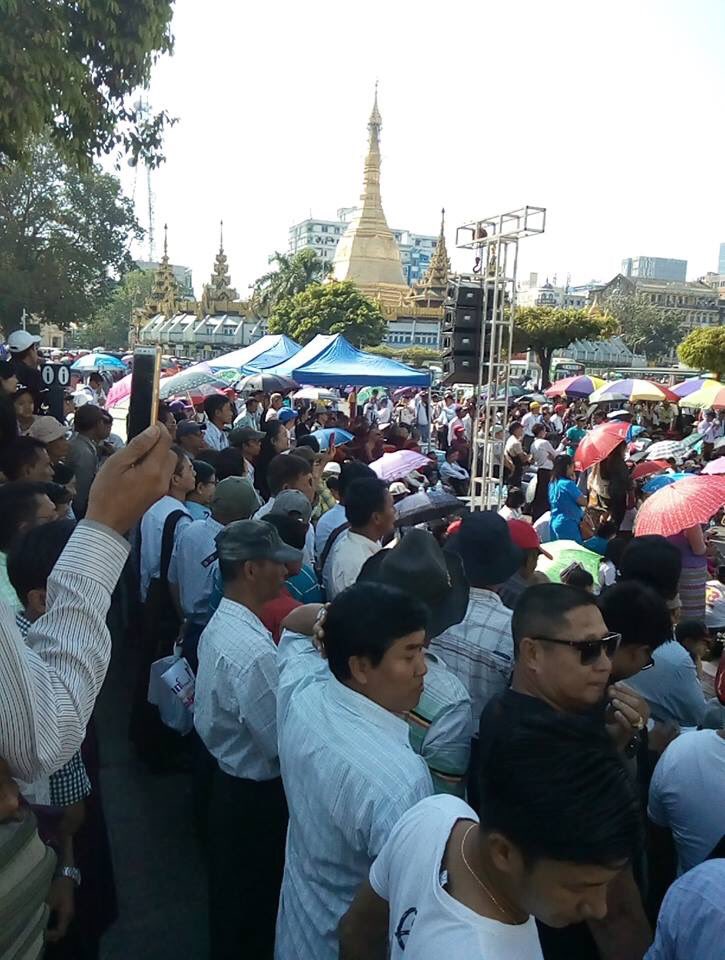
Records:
x=394, y=466
x=714, y=466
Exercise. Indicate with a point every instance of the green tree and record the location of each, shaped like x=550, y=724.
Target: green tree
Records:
x=292, y=275
x=63, y=235
x=336, y=307
x=704, y=349
x=414, y=355
x=546, y=329
x=110, y=327
x=644, y=327
x=70, y=69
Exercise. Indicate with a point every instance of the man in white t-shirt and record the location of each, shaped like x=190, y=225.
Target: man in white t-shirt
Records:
x=558, y=821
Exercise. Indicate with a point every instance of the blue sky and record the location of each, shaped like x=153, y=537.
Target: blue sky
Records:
x=607, y=114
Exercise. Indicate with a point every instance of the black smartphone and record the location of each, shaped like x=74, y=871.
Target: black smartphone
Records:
x=144, y=403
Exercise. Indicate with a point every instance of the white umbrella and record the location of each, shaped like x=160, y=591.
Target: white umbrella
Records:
x=315, y=393
x=665, y=449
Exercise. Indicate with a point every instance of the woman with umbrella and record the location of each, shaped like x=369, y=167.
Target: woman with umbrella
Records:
x=610, y=484
x=567, y=501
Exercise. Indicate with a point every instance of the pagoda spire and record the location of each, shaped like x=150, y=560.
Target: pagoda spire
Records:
x=219, y=287
x=165, y=292
x=432, y=288
x=368, y=253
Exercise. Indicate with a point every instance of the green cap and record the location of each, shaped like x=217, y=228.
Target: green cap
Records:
x=234, y=499
x=254, y=540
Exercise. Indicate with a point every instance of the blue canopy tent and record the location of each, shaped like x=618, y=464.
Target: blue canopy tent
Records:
x=265, y=352
x=330, y=360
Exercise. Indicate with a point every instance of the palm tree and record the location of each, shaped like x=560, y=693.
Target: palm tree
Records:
x=292, y=274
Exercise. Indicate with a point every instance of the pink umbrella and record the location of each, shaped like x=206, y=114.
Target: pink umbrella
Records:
x=714, y=467
x=119, y=392
x=680, y=505
x=394, y=466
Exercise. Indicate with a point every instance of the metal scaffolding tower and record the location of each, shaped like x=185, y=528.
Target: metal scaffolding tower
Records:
x=495, y=242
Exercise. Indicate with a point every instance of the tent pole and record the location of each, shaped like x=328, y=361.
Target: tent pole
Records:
x=430, y=416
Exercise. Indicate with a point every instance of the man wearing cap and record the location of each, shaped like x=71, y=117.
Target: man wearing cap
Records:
x=251, y=416
x=23, y=347
x=83, y=453
x=441, y=724
x=194, y=558
x=249, y=440
x=527, y=539
x=288, y=418
x=54, y=435
x=190, y=436
x=303, y=585
x=527, y=422
x=480, y=649
x=235, y=715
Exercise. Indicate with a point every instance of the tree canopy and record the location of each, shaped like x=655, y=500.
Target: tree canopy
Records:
x=414, y=355
x=110, y=326
x=291, y=275
x=644, y=327
x=336, y=307
x=546, y=329
x=70, y=69
x=704, y=349
x=64, y=234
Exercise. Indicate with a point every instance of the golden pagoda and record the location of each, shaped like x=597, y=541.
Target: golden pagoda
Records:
x=368, y=252
x=165, y=292
x=219, y=290
x=431, y=290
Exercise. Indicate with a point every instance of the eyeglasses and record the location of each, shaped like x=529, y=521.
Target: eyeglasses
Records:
x=590, y=650
x=648, y=666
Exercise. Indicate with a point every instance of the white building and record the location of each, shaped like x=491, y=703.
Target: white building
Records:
x=531, y=293
x=188, y=335
x=322, y=236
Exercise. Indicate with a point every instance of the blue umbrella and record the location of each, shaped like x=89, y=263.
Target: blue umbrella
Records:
x=323, y=437
x=662, y=480
x=97, y=361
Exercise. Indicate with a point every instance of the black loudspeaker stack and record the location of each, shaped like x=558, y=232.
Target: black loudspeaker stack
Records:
x=463, y=333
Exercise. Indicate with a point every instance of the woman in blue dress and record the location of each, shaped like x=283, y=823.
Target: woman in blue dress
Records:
x=567, y=501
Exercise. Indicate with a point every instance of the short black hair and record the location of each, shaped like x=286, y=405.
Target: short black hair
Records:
x=230, y=463
x=353, y=470
x=514, y=425
x=18, y=505
x=63, y=473
x=636, y=612
x=562, y=462
x=365, y=620
x=557, y=789
x=285, y=468
x=691, y=630
x=19, y=454
x=36, y=552
x=86, y=418
x=541, y=608
x=95, y=376
x=7, y=370
x=515, y=497
x=292, y=531
x=204, y=471
x=607, y=528
x=655, y=561
x=539, y=428
x=309, y=441
x=363, y=498
x=214, y=403
x=58, y=493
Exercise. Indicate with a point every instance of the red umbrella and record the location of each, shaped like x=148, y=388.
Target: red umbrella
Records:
x=599, y=443
x=680, y=505
x=648, y=467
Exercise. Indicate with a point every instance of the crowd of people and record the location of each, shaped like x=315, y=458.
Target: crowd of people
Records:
x=401, y=741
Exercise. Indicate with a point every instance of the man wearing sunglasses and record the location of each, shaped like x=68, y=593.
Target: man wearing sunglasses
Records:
x=563, y=653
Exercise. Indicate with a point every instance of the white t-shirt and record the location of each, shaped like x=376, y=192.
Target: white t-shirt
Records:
x=527, y=422
x=542, y=526
x=426, y=922
x=543, y=453
x=686, y=794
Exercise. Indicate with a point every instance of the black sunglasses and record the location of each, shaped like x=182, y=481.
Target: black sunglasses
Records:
x=590, y=650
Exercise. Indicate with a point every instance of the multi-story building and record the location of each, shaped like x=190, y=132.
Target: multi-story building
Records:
x=696, y=304
x=721, y=260
x=531, y=293
x=655, y=268
x=182, y=275
x=322, y=236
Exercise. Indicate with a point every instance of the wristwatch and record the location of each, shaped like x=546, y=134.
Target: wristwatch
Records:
x=72, y=873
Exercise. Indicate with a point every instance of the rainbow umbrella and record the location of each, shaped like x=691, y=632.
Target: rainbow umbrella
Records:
x=710, y=396
x=579, y=386
x=633, y=390
x=686, y=387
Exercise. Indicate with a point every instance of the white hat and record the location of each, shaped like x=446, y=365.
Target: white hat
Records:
x=21, y=340
x=398, y=489
x=333, y=468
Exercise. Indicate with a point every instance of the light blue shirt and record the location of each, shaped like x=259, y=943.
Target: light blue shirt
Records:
x=192, y=567
x=691, y=924
x=349, y=773
x=671, y=687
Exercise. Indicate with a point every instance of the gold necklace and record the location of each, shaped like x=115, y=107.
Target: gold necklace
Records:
x=476, y=876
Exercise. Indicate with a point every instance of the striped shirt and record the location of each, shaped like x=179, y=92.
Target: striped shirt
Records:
x=480, y=649
x=49, y=688
x=349, y=774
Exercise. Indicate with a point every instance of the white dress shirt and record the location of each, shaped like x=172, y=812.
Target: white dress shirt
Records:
x=346, y=560
x=152, y=532
x=48, y=692
x=192, y=567
x=543, y=453
x=215, y=438
x=527, y=422
x=328, y=523
x=235, y=703
x=480, y=649
x=349, y=774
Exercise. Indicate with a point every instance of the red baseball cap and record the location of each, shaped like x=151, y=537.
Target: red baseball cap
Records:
x=525, y=537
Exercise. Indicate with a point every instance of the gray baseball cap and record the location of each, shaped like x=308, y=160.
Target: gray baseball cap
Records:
x=234, y=499
x=240, y=435
x=292, y=501
x=254, y=540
